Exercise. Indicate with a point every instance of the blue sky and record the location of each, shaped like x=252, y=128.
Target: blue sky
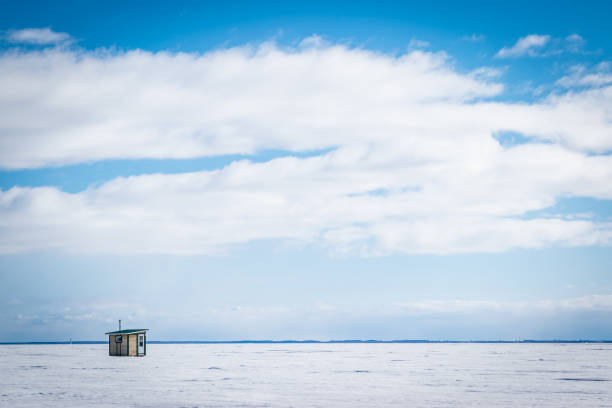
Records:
x=331, y=171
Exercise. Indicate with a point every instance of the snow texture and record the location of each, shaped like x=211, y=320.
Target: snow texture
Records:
x=309, y=375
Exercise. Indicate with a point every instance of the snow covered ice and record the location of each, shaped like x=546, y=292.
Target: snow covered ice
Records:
x=309, y=375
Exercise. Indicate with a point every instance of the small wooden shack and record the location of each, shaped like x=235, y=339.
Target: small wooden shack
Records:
x=128, y=342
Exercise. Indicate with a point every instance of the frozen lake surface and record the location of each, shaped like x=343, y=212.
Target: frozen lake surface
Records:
x=309, y=375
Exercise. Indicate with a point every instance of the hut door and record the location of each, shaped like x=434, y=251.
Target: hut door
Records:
x=141, y=344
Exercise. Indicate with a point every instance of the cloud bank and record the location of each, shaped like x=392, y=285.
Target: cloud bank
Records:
x=411, y=163
x=564, y=318
x=94, y=106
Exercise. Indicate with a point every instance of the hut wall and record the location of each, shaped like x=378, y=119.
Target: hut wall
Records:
x=133, y=341
x=113, y=347
x=124, y=346
x=128, y=346
x=118, y=349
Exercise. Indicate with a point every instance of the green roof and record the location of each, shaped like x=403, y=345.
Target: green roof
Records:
x=127, y=331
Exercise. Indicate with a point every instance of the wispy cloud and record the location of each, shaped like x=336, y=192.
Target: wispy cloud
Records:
x=528, y=45
x=415, y=43
x=581, y=76
x=536, y=45
x=37, y=36
x=474, y=37
x=591, y=303
x=574, y=43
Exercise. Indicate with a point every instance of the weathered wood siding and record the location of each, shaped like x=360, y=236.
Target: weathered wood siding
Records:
x=114, y=347
x=133, y=341
x=118, y=349
x=124, y=346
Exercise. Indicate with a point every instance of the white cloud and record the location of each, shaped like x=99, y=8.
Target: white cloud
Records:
x=474, y=37
x=313, y=41
x=590, y=303
x=93, y=106
x=525, y=46
x=37, y=36
x=535, y=45
x=414, y=43
x=410, y=126
x=580, y=76
x=469, y=200
x=574, y=43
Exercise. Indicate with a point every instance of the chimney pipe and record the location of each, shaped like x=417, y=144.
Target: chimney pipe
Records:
x=119, y=324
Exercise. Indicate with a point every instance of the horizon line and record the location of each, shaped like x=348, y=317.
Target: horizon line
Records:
x=349, y=341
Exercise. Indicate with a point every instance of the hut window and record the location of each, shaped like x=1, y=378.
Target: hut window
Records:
x=141, y=342
x=118, y=339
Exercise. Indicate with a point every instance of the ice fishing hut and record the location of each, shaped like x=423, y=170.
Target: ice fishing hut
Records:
x=128, y=342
